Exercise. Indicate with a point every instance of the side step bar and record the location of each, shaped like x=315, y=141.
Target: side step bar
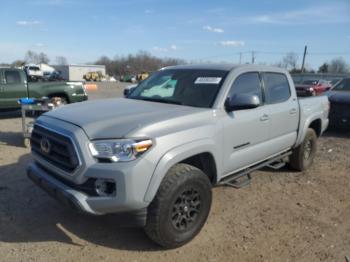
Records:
x=243, y=178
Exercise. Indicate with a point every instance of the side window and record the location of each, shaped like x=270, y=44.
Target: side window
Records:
x=12, y=77
x=276, y=87
x=247, y=83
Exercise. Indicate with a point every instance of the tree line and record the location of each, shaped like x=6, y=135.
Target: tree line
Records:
x=337, y=65
x=135, y=64
x=146, y=62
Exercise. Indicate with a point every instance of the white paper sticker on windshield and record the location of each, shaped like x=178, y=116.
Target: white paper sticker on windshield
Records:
x=208, y=80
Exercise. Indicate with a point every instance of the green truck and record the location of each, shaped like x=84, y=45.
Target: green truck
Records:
x=14, y=85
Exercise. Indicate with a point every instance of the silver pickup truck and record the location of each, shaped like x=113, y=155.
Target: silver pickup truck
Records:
x=158, y=153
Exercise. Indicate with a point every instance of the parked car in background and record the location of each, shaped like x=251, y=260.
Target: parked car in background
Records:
x=312, y=87
x=14, y=85
x=128, y=89
x=128, y=78
x=33, y=72
x=157, y=154
x=339, y=98
x=52, y=76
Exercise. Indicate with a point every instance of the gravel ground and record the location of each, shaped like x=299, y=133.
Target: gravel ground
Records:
x=281, y=216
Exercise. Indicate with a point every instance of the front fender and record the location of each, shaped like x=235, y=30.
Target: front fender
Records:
x=175, y=156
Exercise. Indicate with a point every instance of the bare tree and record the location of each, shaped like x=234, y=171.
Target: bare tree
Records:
x=323, y=68
x=18, y=63
x=35, y=58
x=135, y=64
x=61, y=60
x=338, y=65
x=43, y=58
x=289, y=61
x=31, y=57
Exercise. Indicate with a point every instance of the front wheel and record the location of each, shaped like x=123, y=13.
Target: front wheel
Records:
x=303, y=155
x=180, y=208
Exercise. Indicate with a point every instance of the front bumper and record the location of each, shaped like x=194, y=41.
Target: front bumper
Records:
x=81, y=202
x=78, y=98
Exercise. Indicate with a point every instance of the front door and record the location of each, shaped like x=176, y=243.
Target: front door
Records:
x=246, y=132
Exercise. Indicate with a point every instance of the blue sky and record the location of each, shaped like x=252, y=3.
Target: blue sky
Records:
x=197, y=30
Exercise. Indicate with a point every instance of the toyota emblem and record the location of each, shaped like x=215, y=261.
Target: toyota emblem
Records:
x=45, y=145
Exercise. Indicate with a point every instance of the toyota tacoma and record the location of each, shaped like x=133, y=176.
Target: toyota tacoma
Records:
x=157, y=153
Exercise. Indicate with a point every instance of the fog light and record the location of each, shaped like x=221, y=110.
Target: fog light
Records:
x=105, y=187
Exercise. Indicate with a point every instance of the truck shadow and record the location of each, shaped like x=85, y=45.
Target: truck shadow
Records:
x=8, y=114
x=11, y=139
x=27, y=214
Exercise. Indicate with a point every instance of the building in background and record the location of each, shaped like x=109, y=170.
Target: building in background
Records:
x=77, y=72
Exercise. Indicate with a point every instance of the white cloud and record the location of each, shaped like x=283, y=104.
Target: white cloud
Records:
x=165, y=49
x=27, y=22
x=315, y=15
x=160, y=49
x=213, y=29
x=40, y=45
x=173, y=47
x=49, y=2
x=234, y=43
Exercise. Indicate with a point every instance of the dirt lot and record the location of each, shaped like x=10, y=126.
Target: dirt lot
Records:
x=281, y=216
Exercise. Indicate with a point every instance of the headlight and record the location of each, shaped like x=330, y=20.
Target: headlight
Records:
x=122, y=150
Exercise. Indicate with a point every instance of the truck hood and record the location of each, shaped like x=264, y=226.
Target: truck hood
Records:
x=119, y=117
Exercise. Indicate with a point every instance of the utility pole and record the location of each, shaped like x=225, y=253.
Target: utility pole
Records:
x=240, y=57
x=304, y=56
x=253, y=57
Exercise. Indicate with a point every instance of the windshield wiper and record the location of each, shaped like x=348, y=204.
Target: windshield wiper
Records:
x=166, y=101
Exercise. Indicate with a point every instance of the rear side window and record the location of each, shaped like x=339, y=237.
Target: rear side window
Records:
x=247, y=83
x=276, y=87
x=12, y=77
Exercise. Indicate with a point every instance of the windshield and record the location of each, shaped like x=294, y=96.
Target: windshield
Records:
x=190, y=87
x=34, y=68
x=310, y=82
x=343, y=85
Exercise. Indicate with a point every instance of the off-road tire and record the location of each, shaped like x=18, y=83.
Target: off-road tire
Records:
x=299, y=159
x=163, y=213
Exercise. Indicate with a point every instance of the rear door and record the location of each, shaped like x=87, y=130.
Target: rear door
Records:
x=283, y=108
x=13, y=87
x=246, y=132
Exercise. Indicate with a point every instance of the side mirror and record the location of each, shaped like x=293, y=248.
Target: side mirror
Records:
x=241, y=102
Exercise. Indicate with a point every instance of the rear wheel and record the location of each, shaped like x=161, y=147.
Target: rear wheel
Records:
x=180, y=208
x=303, y=156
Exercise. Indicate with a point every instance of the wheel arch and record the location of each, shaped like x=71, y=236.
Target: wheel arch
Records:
x=59, y=94
x=316, y=125
x=200, y=154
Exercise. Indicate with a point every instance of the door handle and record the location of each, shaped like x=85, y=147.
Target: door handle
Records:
x=293, y=111
x=264, y=117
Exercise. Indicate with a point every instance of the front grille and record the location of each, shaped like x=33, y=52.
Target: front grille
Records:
x=59, y=149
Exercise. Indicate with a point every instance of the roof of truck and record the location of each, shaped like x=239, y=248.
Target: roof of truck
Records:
x=226, y=67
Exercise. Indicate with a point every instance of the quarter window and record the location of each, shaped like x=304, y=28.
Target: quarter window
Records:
x=12, y=77
x=247, y=83
x=276, y=87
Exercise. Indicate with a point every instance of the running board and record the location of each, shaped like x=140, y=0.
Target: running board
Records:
x=243, y=178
